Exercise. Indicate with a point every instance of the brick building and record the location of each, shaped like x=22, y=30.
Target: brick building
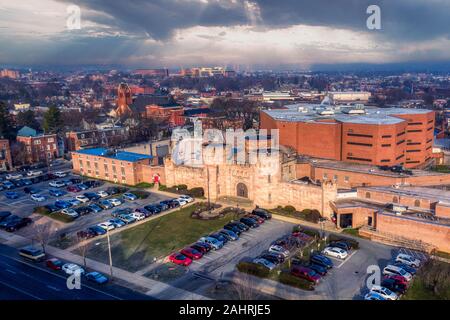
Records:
x=95, y=138
x=377, y=136
x=5, y=155
x=38, y=147
x=173, y=114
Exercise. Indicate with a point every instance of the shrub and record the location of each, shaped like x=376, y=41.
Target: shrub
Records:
x=253, y=269
x=181, y=187
x=145, y=185
x=311, y=232
x=141, y=194
x=196, y=192
x=311, y=215
x=289, y=279
x=162, y=187
x=335, y=237
x=289, y=209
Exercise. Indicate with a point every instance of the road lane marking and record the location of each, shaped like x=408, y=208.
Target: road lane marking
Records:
x=20, y=290
x=348, y=258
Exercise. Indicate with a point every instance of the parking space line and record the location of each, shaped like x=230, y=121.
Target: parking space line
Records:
x=348, y=258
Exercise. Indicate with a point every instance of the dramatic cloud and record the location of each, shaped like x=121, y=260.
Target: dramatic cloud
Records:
x=177, y=33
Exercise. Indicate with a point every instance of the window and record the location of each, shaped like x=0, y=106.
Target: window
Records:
x=400, y=134
x=50, y=140
x=359, y=135
x=367, y=195
x=359, y=159
x=415, y=124
x=386, y=136
x=325, y=176
x=81, y=163
x=346, y=179
x=395, y=200
x=415, y=150
x=414, y=131
x=413, y=143
x=417, y=203
x=122, y=171
x=335, y=178
x=400, y=156
x=106, y=167
x=385, y=160
x=36, y=142
x=269, y=178
x=386, y=145
x=88, y=163
x=114, y=169
x=400, y=142
x=360, y=144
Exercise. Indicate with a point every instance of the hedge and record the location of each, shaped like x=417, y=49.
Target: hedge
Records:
x=253, y=269
x=289, y=279
x=144, y=185
x=141, y=194
x=353, y=243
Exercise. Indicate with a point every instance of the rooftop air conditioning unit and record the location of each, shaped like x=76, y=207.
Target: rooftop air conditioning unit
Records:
x=326, y=112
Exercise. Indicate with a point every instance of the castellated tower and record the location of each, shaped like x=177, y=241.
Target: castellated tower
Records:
x=124, y=100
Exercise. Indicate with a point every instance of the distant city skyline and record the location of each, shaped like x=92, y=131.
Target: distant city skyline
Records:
x=255, y=34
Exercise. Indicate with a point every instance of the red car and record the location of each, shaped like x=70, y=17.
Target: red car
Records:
x=180, y=259
x=192, y=253
x=397, y=279
x=54, y=264
x=73, y=189
x=305, y=273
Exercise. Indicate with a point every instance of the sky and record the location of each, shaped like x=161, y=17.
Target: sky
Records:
x=183, y=33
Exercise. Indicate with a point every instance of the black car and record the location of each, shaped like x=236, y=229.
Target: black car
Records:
x=321, y=270
x=276, y=259
x=393, y=285
x=262, y=213
x=51, y=208
x=384, y=168
x=241, y=225
x=173, y=204
x=75, y=180
x=143, y=211
x=249, y=222
x=91, y=196
x=164, y=205
x=152, y=209
x=219, y=237
x=83, y=210
x=233, y=228
x=13, y=223
x=4, y=215
x=18, y=183
x=87, y=234
x=93, y=183
x=341, y=244
x=321, y=261
x=160, y=207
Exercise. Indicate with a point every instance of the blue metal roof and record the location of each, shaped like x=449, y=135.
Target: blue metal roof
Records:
x=119, y=155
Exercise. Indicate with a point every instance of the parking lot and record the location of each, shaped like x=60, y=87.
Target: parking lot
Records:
x=24, y=206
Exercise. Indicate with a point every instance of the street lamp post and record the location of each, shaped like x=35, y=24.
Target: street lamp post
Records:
x=109, y=252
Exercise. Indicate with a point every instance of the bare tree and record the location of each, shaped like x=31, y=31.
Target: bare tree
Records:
x=245, y=288
x=82, y=248
x=43, y=231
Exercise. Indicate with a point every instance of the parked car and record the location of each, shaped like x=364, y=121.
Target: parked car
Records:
x=279, y=249
x=93, y=183
x=118, y=212
x=98, y=231
x=173, y=203
x=262, y=213
x=187, y=198
x=391, y=270
x=70, y=212
x=305, y=273
x=117, y=223
x=231, y=235
x=152, y=209
x=232, y=228
x=60, y=174
x=82, y=198
x=11, y=195
x=202, y=247
x=92, y=196
x=56, y=192
x=129, y=196
x=266, y=263
x=73, y=188
x=95, y=207
x=275, y=259
x=54, y=264
x=83, y=210
x=192, y=253
x=115, y=202
x=61, y=204
x=180, y=259
x=56, y=184
x=408, y=260
x=384, y=292
x=103, y=194
x=249, y=222
x=107, y=225
x=29, y=190
x=241, y=226
x=144, y=211
x=164, y=205
x=219, y=237
x=72, y=268
x=12, y=176
x=127, y=218
x=321, y=261
x=406, y=267
x=181, y=201
x=13, y=223
x=32, y=253
x=258, y=219
x=341, y=244
x=216, y=244
x=33, y=173
x=82, y=186
x=87, y=234
x=51, y=208
x=397, y=279
x=8, y=185
x=4, y=215
x=335, y=252
x=105, y=204
x=75, y=180
x=73, y=202
x=391, y=284
x=321, y=270
x=373, y=296
x=96, y=277
x=138, y=215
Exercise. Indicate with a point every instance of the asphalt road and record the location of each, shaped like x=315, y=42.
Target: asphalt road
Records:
x=21, y=280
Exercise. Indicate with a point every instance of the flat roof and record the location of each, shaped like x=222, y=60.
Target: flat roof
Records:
x=432, y=194
x=305, y=112
x=119, y=155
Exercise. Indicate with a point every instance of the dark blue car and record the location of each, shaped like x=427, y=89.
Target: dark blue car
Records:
x=11, y=195
x=321, y=261
x=96, y=277
x=62, y=204
x=97, y=230
x=56, y=192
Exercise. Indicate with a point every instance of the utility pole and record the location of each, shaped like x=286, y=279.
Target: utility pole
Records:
x=110, y=257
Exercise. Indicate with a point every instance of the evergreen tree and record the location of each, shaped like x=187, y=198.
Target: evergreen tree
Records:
x=52, y=120
x=28, y=118
x=7, y=127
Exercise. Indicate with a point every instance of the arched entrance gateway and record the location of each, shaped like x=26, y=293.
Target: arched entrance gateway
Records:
x=241, y=190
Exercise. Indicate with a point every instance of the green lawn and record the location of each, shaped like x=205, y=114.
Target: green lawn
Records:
x=135, y=248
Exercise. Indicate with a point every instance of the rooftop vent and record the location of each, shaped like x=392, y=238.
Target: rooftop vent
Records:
x=302, y=109
x=325, y=112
